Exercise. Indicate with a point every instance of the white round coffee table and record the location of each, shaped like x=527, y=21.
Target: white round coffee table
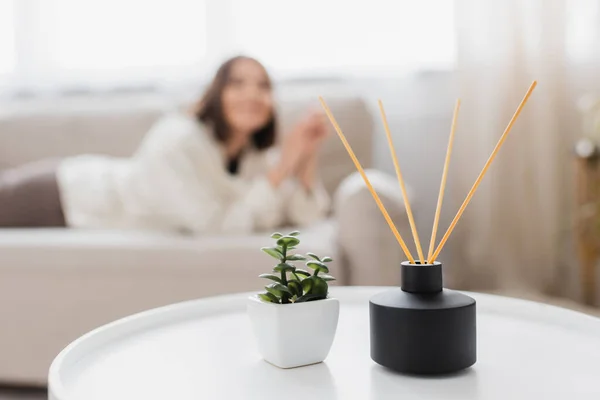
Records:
x=204, y=349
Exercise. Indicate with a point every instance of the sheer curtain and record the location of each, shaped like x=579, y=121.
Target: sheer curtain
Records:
x=513, y=235
x=7, y=39
x=72, y=45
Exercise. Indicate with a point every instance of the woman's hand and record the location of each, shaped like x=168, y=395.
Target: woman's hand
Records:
x=300, y=149
x=290, y=156
x=316, y=132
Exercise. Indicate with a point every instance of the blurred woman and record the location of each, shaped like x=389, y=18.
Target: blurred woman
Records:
x=207, y=170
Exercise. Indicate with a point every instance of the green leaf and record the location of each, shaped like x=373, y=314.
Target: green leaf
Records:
x=288, y=241
x=310, y=297
x=278, y=289
x=327, y=259
x=296, y=257
x=276, y=235
x=302, y=272
x=273, y=252
x=283, y=267
x=294, y=298
x=319, y=286
x=307, y=284
x=327, y=278
x=295, y=287
x=269, y=297
x=295, y=277
x=317, y=266
x=291, y=248
x=313, y=255
x=271, y=277
x=295, y=233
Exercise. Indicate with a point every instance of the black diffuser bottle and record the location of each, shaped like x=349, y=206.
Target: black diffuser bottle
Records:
x=422, y=328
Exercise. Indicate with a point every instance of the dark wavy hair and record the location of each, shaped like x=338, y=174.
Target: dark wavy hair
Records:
x=210, y=108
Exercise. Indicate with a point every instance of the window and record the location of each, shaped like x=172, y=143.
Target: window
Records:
x=64, y=44
x=115, y=34
x=351, y=35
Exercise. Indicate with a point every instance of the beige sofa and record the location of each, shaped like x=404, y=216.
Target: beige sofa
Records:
x=56, y=284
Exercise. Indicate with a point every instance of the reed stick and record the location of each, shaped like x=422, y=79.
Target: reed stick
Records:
x=483, y=171
x=411, y=219
x=438, y=209
x=367, y=182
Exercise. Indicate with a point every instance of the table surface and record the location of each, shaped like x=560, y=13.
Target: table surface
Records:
x=204, y=349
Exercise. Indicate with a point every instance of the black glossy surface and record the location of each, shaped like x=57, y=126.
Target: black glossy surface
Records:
x=426, y=330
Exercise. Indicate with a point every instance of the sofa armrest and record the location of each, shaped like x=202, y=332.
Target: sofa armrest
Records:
x=367, y=247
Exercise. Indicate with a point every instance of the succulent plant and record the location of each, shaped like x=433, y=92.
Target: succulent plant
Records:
x=291, y=284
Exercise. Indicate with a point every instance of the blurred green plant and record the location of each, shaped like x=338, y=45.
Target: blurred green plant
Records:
x=290, y=284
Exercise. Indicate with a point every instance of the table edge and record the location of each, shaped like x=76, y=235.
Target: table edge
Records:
x=57, y=391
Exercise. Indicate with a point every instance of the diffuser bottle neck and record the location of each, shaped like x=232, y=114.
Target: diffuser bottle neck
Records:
x=422, y=278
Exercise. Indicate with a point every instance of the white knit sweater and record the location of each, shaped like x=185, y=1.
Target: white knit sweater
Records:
x=176, y=180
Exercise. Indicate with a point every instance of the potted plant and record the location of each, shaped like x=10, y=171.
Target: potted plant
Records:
x=294, y=320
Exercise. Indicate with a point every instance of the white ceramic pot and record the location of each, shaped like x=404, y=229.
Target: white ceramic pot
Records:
x=293, y=335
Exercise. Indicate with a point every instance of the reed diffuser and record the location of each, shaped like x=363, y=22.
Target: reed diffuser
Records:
x=421, y=327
